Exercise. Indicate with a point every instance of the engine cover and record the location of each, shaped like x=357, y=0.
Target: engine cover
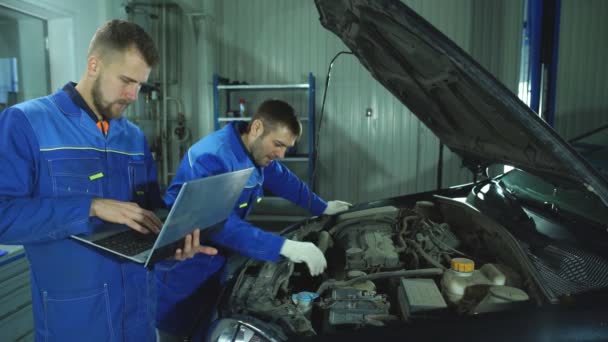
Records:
x=369, y=246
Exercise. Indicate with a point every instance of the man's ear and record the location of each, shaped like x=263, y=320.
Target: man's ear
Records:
x=257, y=128
x=93, y=65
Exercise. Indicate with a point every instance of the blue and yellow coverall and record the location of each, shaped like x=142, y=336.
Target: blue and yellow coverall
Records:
x=220, y=152
x=54, y=161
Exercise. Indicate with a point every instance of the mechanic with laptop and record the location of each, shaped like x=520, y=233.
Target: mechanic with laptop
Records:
x=273, y=129
x=68, y=162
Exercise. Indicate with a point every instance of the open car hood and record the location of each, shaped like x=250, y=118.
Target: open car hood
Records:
x=464, y=105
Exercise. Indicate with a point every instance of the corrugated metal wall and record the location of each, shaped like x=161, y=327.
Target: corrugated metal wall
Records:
x=361, y=158
x=582, y=91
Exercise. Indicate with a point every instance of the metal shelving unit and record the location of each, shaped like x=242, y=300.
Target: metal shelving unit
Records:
x=226, y=90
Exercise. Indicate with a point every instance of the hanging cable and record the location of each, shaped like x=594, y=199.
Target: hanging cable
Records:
x=317, y=133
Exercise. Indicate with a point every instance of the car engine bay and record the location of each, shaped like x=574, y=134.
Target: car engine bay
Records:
x=390, y=265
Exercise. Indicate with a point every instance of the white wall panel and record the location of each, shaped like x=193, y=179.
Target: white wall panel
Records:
x=582, y=93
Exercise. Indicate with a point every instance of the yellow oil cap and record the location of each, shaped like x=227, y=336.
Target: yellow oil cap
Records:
x=463, y=265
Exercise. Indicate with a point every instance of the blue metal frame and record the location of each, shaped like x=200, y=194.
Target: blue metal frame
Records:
x=536, y=13
x=216, y=101
x=553, y=70
x=534, y=25
x=311, y=130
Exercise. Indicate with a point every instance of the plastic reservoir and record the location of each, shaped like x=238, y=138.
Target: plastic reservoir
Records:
x=463, y=274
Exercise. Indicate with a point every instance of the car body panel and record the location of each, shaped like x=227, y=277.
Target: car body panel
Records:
x=470, y=111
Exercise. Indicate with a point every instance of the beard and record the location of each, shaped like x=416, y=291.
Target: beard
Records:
x=106, y=110
x=257, y=151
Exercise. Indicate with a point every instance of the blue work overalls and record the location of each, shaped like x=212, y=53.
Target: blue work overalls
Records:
x=53, y=162
x=217, y=153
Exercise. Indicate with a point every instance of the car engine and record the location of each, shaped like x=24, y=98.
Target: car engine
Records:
x=388, y=264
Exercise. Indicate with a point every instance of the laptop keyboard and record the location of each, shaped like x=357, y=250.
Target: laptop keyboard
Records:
x=129, y=242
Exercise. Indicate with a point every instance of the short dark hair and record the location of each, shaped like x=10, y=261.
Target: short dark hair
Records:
x=275, y=113
x=121, y=35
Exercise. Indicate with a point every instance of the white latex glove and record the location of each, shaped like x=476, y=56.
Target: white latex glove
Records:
x=307, y=252
x=336, y=207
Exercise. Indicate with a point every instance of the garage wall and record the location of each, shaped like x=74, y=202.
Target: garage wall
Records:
x=71, y=24
x=281, y=41
x=9, y=32
x=32, y=56
x=495, y=42
x=582, y=92
x=391, y=153
x=22, y=38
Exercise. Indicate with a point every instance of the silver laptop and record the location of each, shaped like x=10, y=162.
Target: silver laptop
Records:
x=203, y=203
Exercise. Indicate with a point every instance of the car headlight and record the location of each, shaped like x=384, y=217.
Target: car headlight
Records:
x=236, y=330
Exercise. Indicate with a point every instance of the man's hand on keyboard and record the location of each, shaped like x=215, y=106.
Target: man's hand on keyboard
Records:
x=192, y=247
x=131, y=214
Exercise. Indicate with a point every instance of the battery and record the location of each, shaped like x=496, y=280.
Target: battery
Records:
x=417, y=295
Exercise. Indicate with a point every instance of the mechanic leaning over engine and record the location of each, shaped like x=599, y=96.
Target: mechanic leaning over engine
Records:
x=273, y=129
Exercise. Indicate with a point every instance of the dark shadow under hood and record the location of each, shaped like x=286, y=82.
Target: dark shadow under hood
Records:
x=464, y=105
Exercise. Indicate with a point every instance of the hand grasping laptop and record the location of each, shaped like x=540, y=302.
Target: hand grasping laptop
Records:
x=145, y=221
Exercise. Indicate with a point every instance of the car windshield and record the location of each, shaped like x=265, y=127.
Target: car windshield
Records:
x=575, y=200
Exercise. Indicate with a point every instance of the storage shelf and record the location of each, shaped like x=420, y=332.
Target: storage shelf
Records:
x=294, y=159
x=225, y=119
x=224, y=91
x=264, y=86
